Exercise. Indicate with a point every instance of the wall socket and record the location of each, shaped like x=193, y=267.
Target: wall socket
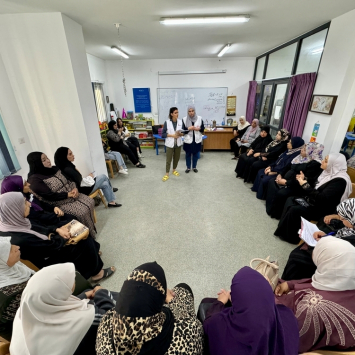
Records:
x=21, y=140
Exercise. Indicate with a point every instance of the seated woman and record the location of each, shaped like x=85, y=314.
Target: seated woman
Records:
x=141, y=324
x=255, y=148
x=40, y=212
x=117, y=143
x=238, y=132
x=131, y=141
x=110, y=155
x=254, y=324
x=300, y=264
x=243, y=143
x=13, y=279
x=281, y=166
x=63, y=159
x=272, y=152
x=49, y=185
x=333, y=187
x=52, y=321
x=43, y=250
x=286, y=185
x=324, y=305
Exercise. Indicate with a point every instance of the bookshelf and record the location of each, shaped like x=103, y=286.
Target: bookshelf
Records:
x=142, y=130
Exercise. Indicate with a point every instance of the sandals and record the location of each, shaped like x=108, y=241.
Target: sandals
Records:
x=176, y=173
x=107, y=273
x=166, y=177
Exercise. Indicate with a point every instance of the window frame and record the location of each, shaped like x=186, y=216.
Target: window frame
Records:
x=297, y=40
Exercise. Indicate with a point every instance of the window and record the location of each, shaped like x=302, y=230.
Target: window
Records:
x=8, y=160
x=265, y=103
x=260, y=69
x=280, y=62
x=279, y=100
x=100, y=101
x=257, y=100
x=311, y=52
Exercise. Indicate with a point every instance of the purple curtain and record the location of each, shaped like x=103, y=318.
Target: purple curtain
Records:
x=299, y=96
x=251, y=101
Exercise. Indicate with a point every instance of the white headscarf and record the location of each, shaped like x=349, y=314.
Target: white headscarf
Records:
x=15, y=274
x=50, y=320
x=244, y=124
x=335, y=261
x=336, y=168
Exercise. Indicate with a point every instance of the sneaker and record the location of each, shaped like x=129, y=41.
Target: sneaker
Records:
x=122, y=172
x=140, y=155
x=140, y=166
x=126, y=170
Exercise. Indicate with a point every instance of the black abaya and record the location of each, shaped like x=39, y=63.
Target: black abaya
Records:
x=244, y=164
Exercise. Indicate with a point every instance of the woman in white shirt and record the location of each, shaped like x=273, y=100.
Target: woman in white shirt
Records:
x=129, y=139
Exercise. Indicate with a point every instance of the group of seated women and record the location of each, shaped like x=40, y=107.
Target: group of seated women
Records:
x=294, y=179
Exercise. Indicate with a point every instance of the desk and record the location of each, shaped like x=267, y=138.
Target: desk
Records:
x=157, y=137
x=350, y=138
x=219, y=140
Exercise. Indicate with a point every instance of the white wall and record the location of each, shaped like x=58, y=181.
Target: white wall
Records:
x=144, y=73
x=336, y=76
x=45, y=60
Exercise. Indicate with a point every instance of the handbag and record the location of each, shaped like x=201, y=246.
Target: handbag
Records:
x=78, y=232
x=270, y=270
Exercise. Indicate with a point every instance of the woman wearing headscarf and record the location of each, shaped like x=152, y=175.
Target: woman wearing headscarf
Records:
x=324, y=305
x=243, y=142
x=258, y=146
x=254, y=324
x=271, y=154
x=281, y=166
x=238, y=132
x=116, y=141
x=51, y=320
x=300, y=264
x=286, y=185
x=63, y=159
x=40, y=212
x=130, y=140
x=13, y=279
x=43, y=250
x=140, y=323
x=172, y=133
x=333, y=187
x=49, y=185
x=193, y=139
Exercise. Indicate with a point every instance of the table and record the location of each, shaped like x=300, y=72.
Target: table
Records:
x=350, y=138
x=219, y=139
x=157, y=137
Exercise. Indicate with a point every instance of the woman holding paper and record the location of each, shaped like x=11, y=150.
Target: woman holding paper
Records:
x=333, y=187
x=300, y=264
x=172, y=132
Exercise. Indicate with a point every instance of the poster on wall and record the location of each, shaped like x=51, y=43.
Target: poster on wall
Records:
x=231, y=105
x=141, y=98
x=315, y=132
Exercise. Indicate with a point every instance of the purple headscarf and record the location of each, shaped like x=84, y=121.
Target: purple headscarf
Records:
x=14, y=183
x=254, y=324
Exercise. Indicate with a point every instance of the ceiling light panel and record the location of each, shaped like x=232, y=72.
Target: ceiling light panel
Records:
x=204, y=20
x=120, y=52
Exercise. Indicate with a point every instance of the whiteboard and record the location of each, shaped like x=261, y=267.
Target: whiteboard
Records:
x=210, y=103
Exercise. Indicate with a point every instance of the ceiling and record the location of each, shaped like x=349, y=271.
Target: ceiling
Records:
x=272, y=23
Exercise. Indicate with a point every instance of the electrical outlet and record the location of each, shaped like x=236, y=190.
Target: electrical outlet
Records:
x=21, y=140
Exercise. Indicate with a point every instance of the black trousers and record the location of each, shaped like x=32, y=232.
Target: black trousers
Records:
x=131, y=152
x=233, y=143
x=135, y=142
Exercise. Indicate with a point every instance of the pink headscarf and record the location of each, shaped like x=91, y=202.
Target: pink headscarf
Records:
x=252, y=129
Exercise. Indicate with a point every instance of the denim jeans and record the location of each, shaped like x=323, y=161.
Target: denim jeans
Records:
x=194, y=160
x=103, y=183
x=116, y=156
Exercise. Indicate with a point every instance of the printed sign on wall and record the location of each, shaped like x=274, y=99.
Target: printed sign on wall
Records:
x=141, y=97
x=315, y=132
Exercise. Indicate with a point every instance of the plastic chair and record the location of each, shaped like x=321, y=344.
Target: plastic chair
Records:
x=98, y=192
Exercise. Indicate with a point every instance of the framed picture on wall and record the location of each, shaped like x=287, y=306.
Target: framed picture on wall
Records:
x=323, y=104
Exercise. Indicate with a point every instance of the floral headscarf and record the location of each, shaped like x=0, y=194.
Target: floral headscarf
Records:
x=314, y=151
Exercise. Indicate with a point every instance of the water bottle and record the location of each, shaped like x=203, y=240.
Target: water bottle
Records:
x=223, y=121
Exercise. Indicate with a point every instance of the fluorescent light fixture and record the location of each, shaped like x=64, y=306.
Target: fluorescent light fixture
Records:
x=187, y=72
x=203, y=20
x=224, y=50
x=120, y=52
x=318, y=50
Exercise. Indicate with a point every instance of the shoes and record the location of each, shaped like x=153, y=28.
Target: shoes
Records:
x=235, y=158
x=140, y=166
x=126, y=170
x=140, y=155
x=115, y=189
x=115, y=205
x=187, y=171
x=195, y=170
x=122, y=171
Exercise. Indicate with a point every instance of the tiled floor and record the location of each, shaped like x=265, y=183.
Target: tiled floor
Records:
x=200, y=227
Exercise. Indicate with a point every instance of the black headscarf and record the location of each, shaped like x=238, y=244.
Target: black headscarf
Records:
x=142, y=298
x=36, y=166
x=111, y=124
x=260, y=142
x=61, y=158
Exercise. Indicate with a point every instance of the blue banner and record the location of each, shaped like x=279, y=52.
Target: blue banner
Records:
x=141, y=97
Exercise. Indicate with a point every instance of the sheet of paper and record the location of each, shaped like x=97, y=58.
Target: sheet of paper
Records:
x=306, y=232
